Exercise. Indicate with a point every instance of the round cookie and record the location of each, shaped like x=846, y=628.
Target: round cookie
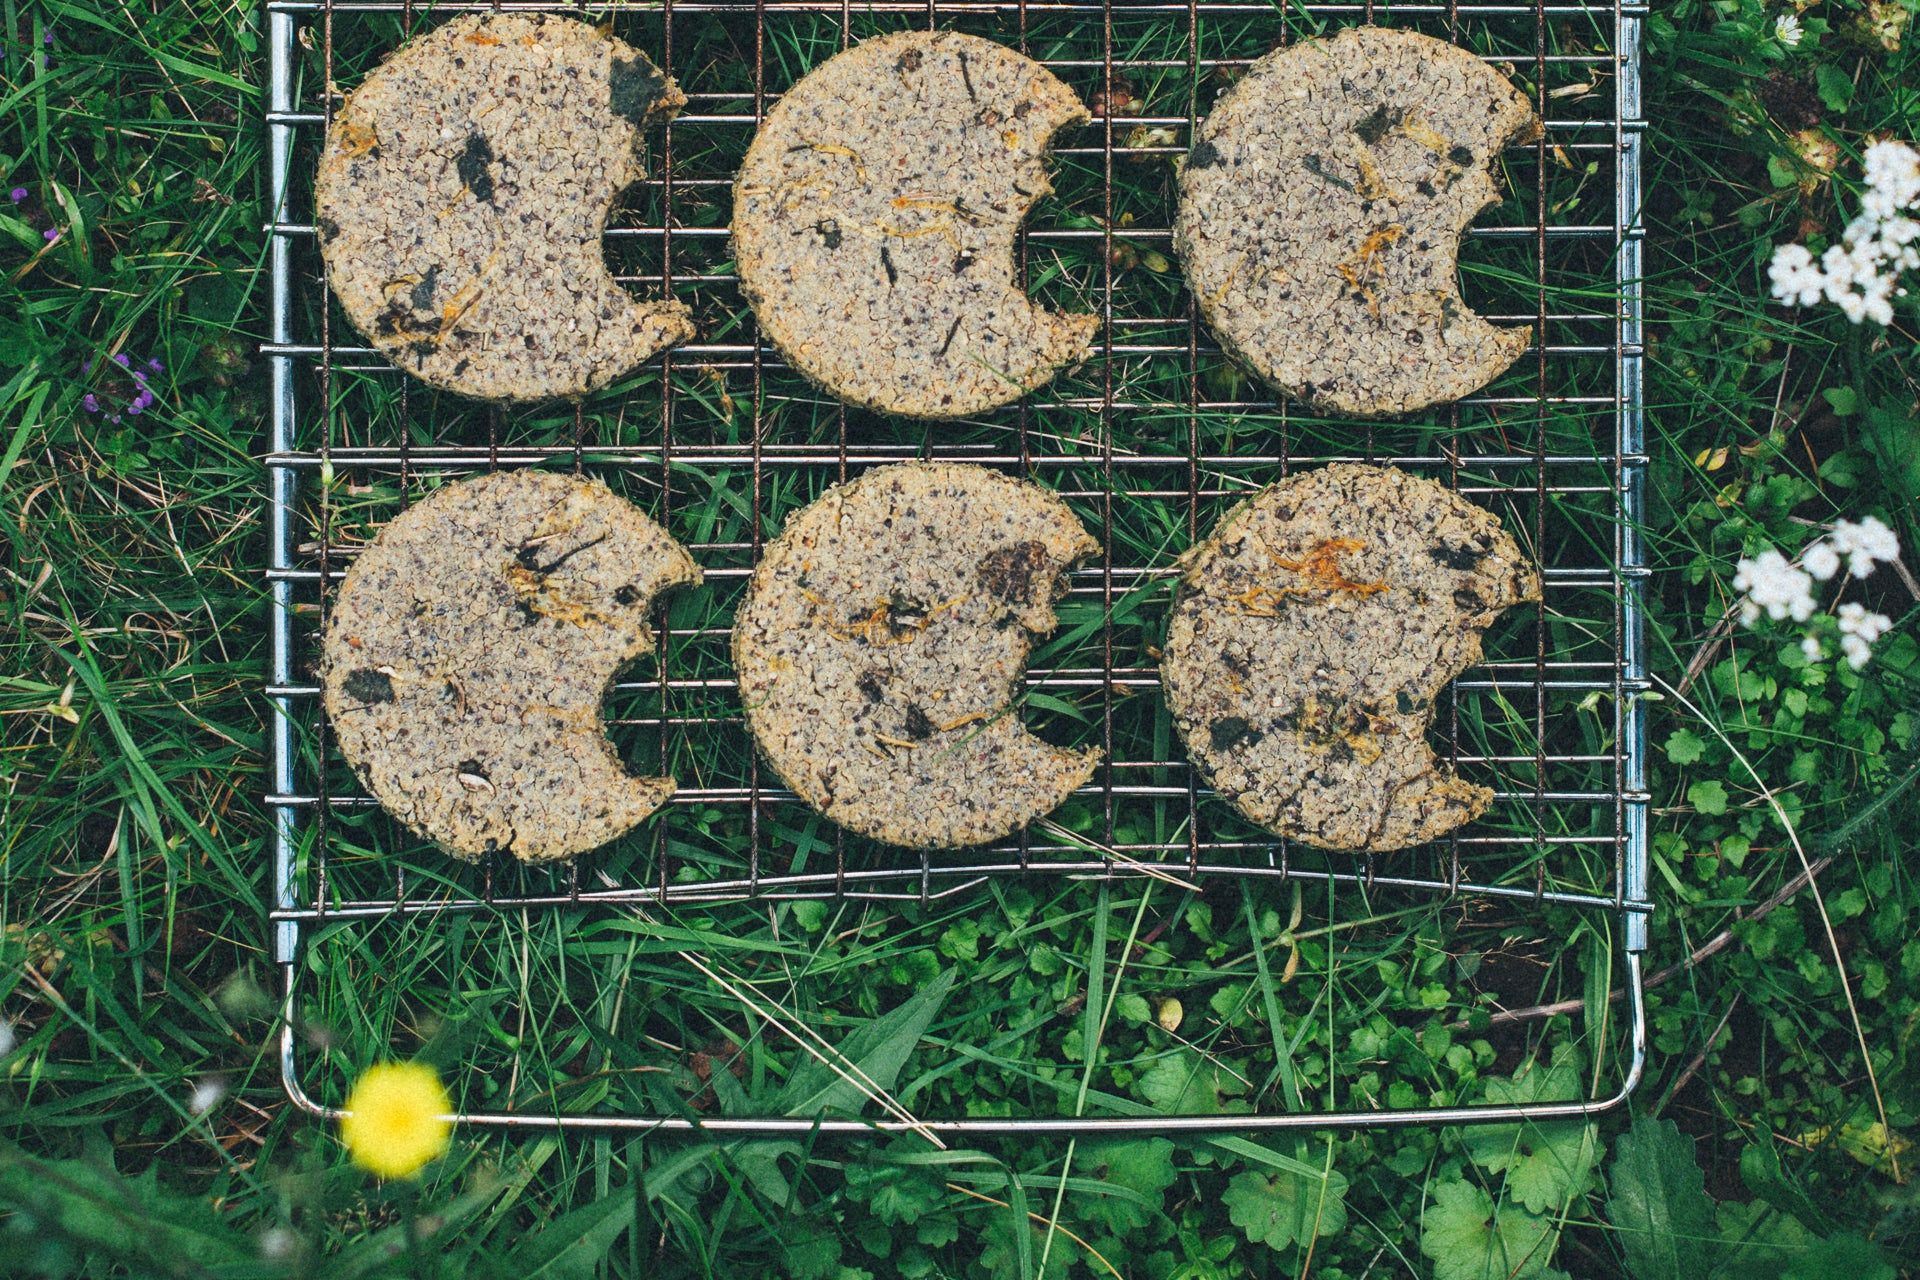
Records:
x=1320, y=217
x=882, y=642
x=469, y=650
x=874, y=223
x=462, y=197
x=1309, y=637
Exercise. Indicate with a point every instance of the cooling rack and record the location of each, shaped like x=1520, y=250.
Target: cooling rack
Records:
x=1151, y=440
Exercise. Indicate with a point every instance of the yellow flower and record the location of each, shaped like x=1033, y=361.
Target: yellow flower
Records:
x=396, y=1123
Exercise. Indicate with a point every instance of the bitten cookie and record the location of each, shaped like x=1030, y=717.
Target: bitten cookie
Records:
x=882, y=642
x=1308, y=640
x=463, y=195
x=467, y=655
x=1320, y=217
x=874, y=222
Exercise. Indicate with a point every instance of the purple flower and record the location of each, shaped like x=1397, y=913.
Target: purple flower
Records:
x=156, y=366
x=122, y=359
x=90, y=402
x=142, y=400
x=86, y=366
x=136, y=408
x=17, y=194
x=139, y=375
x=50, y=234
x=47, y=38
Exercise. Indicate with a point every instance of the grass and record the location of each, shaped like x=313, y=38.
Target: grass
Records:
x=135, y=871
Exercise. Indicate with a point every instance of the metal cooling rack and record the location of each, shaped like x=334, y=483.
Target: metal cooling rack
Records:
x=1555, y=447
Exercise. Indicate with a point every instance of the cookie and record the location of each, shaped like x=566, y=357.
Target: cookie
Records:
x=882, y=642
x=1309, y=638
x=469, y=650
x=462, y=197
x=1320, y=217
x=874, y=221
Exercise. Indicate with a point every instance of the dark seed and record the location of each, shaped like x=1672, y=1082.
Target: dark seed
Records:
x=1462, y=557
x=368, y=685
x=635, y=87
x=919, y=728
x=1204, y=155
x=422, y=296
x=475, y=156
x=1231, y=731
x=1016, y=574
x=1379, y=122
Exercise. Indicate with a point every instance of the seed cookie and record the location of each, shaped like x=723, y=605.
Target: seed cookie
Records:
x=882, y=642
x=1320, y=217
x=469, y=650
x=1309, y=638
x=874, y=222
x=463, y=195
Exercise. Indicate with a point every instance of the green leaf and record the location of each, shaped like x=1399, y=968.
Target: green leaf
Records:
x=92, y=1206
x=572, y=1245
x=893, y=1192
x=1546, y=1164
x=880, y=1049
x=1843, y=1256
x=1142, y=1167
x=1001, y=1249
x=807, y=1252
x=1844, y=401
x=1709, y=797
x=1184, y=1083
x=1757, y=1241
x=1286, y=1208
x=1469, y=1240
x=1658, y=1203
x=1684, y=746
x=1836, y=91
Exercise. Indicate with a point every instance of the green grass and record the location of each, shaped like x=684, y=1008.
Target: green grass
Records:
x=136, y=961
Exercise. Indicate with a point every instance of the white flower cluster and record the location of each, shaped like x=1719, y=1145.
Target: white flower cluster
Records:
x=1771, y=584
x=1787, y=30
x=1861, y=274
x=1858, y=630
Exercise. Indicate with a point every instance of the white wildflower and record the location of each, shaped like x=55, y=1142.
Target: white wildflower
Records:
x=1810, y=645
x=1786, y=29
x=1891, y=171
x=1858, y=630
x=1771, y=584
x=1865, y=543
x=1855, y=620
x=277, y=1244
x=1796, y=279
x=207, y=1095
x=1861, y=274
x=1821, y=560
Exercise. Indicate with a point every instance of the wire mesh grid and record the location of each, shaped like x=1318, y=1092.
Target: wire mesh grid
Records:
x=1150, y=440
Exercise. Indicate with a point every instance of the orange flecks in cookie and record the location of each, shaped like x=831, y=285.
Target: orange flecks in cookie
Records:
x=1319, y=570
